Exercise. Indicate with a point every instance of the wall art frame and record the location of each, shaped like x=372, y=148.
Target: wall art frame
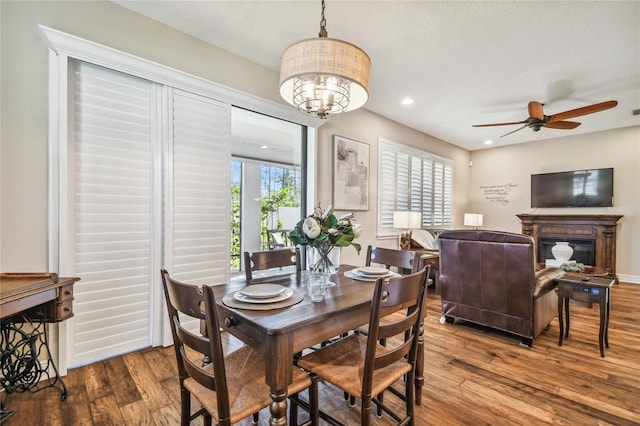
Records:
x=351, y=170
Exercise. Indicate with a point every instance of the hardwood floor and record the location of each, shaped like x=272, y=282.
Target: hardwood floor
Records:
x=473, y=376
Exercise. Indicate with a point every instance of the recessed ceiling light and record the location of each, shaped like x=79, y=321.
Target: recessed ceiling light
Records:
x=488, y=142
x=264, y=146
x=407, y=101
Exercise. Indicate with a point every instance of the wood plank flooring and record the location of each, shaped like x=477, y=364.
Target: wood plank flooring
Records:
x=473, y=376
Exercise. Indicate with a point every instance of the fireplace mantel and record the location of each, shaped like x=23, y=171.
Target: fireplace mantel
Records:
x=601, y=229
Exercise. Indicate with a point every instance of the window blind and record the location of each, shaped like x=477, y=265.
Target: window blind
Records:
x=413, y=180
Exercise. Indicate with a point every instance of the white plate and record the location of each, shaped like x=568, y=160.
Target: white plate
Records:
x=263, y=291
x=372, y=270
x=279, y=298
x=355, y=275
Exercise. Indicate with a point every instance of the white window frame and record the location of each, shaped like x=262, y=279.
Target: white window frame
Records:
x=399, y=191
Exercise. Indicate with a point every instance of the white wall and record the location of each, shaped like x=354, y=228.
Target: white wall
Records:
x=494, y=169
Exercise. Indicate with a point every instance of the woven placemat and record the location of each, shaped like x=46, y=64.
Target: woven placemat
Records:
x=231, y=302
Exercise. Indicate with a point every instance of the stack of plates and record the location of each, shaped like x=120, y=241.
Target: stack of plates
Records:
x=370, y=273
x=263, y=293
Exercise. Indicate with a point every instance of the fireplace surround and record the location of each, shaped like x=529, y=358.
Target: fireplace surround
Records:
x=593, y=237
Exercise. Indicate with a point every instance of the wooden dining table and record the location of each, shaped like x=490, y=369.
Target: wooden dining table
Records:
x=280, y=333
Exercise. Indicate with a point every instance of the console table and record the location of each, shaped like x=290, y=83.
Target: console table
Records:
x=601, y=230
x=28, y=302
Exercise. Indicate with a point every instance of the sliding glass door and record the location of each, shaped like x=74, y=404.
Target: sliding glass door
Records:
x=267, y=181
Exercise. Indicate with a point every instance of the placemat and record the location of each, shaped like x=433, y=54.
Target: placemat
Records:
x=233, y=303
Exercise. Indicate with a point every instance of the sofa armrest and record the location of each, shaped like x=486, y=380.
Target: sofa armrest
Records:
x=545, y=281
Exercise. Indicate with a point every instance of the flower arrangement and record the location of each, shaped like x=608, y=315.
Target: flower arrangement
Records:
x=572, y=267
x=323, y=230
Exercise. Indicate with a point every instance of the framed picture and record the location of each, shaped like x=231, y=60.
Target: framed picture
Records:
x=350, y=174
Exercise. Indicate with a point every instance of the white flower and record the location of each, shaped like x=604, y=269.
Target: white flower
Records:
x=345, y=217
x=332, y=231
x=311, y=228
x=357, y=230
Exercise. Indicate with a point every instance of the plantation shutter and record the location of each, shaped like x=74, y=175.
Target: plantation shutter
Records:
x=111, y=199
x=199, y=201
x=413, y=180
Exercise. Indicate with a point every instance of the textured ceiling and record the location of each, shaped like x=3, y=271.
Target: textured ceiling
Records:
x=463, y=63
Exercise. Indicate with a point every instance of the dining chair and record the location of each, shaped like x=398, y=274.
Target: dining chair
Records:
x=230, y=387
x=405, y=261
x=261, y=260
x=360, y=366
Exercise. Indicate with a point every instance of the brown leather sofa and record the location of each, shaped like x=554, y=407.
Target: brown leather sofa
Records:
x=489, y=278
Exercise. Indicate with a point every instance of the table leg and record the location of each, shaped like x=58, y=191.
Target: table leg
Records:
x=278, y=375
x=278, y=409
x=566, y=316
x=560, y=319
x=603, y=321
x=606, y=325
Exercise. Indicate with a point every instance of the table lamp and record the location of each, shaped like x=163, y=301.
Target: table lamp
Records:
x=406, y=221
x=473, y=219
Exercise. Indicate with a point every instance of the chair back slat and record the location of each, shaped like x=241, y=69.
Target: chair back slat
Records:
x=393, y=355
x=405, y=260
x=261, y=260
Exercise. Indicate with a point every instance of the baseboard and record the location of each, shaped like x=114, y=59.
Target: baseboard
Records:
x=626, y=278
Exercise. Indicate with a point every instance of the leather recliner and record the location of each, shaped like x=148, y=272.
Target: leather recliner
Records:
x=489, y=278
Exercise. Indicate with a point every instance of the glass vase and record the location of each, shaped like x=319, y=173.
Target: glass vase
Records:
x=324, y=260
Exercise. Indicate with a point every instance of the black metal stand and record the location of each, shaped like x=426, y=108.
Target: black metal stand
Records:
x=23, y=339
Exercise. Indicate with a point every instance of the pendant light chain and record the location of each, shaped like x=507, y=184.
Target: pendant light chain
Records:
x=324, y=76
x=323, y=23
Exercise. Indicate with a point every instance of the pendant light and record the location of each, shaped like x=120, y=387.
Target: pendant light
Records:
x=324, y=76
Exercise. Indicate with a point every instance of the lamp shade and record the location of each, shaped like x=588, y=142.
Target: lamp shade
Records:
x=473, y=219
x=324, y=76
x=407, y=220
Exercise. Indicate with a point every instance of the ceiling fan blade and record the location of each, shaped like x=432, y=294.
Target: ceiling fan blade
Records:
x=519, y=128
x=499, y=124
x=590, y=109
x=567, y=125
x=535, y=110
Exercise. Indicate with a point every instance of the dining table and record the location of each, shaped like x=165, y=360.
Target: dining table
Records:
x=280, y=333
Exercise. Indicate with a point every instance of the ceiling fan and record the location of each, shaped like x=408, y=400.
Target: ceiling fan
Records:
x=537, y=119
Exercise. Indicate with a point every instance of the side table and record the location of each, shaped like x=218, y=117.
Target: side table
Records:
x=432, y=259
x=585, y=289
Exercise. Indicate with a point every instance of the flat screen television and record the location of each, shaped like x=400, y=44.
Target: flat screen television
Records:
x=577, y=188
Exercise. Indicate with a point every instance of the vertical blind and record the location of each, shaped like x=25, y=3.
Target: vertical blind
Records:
x=413, y=180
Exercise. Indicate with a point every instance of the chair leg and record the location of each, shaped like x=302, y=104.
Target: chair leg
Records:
x=256, y=417
x=365, y=410
x=185, y=407
x=410, y=401
x=207, y=419
x=314, y=410
x=378, y=407
x=419, y=378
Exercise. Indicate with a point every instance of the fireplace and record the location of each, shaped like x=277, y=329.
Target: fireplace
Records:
x=592, y=237
x=584, y=251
